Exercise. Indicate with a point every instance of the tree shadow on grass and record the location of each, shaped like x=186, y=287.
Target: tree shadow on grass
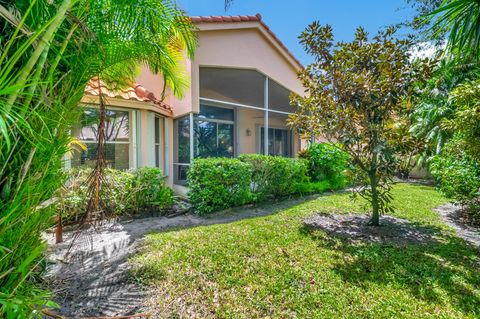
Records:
x=427, y=269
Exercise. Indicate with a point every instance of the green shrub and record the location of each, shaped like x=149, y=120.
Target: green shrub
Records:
x=118, y=192
x=218, y=183
x=74, y=194
x=275, y=176
x=327, y=162
x=149, y=183
x=123, y=192
x=458, y=177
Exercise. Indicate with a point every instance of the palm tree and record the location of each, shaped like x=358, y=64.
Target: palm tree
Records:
x=149, y=32
x=461, y=20
x=434, y=105
x=49, y=50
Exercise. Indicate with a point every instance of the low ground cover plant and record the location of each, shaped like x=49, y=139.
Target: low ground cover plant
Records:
x=124, y=192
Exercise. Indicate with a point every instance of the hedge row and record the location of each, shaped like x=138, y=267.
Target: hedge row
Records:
x=123, y=192
x=220, y=183
x=275, y=176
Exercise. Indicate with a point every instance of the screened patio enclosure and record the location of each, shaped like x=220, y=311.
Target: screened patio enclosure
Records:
x=241, y=111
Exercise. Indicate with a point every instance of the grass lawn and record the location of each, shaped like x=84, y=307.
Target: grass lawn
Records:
x=273, y=267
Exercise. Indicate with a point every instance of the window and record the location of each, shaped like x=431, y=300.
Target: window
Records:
x=117, y=132
x=182, y=147
x=157, y=141
x=183, y=133
x=215, y=113
x=213, y=136
x=213, y=129
x=279, y=142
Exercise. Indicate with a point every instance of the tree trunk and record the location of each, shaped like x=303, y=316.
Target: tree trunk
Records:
x=59, y=230
x=375, y=220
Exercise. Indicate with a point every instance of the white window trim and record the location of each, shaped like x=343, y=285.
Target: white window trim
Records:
x=132, y=135
x=133, y=139
x=166, y=137
x=157, y=146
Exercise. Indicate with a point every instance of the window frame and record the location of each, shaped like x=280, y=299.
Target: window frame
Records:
x=132, y=143
x=275, y=128
x=157, y=141
x=217, y=122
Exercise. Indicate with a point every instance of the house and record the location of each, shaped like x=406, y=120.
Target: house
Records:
x=238, y=102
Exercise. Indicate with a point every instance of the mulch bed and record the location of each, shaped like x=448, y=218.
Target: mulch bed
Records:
x=356, y=228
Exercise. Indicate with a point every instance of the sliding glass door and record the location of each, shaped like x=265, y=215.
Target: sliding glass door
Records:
x=279, y=142
x=214, y=132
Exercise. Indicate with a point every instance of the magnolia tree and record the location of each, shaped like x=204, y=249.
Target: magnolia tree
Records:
x=354, y=93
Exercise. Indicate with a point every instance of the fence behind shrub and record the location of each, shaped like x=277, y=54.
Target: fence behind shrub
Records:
x=218, y=183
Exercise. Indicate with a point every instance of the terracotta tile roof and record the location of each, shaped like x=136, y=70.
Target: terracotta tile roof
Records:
x=255, y=18
x=135, y=92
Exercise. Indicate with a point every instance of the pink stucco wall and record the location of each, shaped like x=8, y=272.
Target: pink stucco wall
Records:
x=243, y=47
x=246, y=48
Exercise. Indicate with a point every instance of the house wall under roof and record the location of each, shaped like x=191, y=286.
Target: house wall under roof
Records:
x=238, y=46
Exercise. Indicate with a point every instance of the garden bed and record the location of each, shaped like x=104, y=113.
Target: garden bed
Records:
x=356, y=228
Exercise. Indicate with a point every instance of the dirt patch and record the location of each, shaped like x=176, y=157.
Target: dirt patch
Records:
x=356, y=228
x=454, y=216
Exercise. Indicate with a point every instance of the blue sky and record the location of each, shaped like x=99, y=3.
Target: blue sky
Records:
x=288, y=18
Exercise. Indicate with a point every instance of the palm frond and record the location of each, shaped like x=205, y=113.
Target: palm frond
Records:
x=460, y=19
